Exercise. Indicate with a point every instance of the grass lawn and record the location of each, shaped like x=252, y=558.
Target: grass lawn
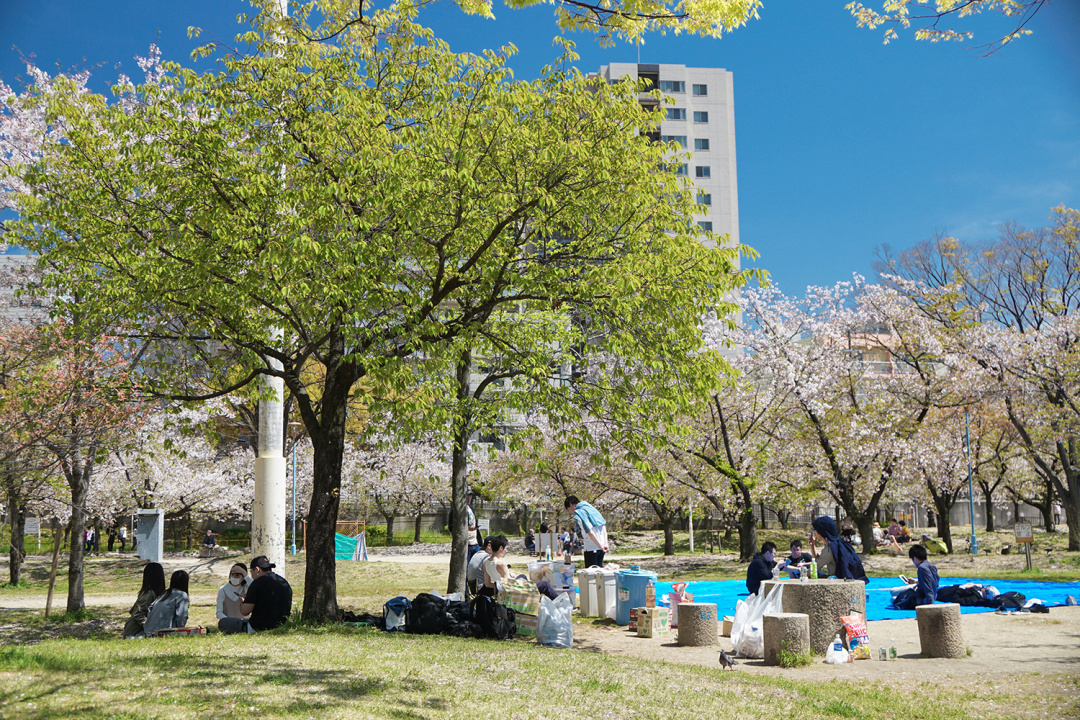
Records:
x=345, y=672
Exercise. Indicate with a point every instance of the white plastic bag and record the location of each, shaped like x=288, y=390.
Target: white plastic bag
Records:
x=555, y=625
x=748, y=613
x=836, y=654
x=752, y=643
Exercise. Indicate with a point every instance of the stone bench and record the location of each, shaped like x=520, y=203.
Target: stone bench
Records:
x=785, y=631
x=940, y=634
x=698, y=624
x=824, y=601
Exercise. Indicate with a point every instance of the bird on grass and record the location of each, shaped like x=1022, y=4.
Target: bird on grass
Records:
x=728, y=663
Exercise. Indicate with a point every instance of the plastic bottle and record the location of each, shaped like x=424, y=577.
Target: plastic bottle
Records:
x=837, y=643
x=892, y=648
x=813, y=569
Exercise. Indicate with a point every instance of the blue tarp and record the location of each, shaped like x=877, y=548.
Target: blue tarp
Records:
x=345, y=547
x=726, y=592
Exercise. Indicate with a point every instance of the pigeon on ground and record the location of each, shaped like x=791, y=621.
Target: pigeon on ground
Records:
x=726, y=662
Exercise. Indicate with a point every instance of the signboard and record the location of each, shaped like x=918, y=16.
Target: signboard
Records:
x=33, y=526
x=1023, y=533
x=484, y=525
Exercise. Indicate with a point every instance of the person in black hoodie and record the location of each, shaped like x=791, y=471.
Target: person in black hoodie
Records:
x=761, y=567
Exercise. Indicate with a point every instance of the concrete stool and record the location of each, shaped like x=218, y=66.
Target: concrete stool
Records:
x=698, y=624
x=825, y=601
x=785, y=631
x=939, y=631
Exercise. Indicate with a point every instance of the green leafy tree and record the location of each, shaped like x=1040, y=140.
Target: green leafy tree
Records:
x=363, y=204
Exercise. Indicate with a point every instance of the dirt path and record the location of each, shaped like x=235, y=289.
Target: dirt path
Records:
x=1000, y=645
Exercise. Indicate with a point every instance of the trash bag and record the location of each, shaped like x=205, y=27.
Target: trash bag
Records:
x=747, y=623
x=555, y=625
x=836, y=654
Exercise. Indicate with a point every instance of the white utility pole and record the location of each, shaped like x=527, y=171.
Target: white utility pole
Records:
x=690, y=521
x=269, y=505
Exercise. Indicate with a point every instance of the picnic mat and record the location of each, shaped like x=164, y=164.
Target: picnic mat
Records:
x=725, y=593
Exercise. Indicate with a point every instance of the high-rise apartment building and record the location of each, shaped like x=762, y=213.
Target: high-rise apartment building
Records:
x=702, y=120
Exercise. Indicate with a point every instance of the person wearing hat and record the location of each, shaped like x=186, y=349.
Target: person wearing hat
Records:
x=268, y=601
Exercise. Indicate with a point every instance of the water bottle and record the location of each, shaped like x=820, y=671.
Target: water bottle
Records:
x=837, y=643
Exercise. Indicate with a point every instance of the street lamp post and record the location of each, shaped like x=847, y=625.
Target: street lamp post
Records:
x=293, y=426
x=971, y=490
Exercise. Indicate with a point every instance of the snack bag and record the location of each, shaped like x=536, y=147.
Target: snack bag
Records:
x=858, y=638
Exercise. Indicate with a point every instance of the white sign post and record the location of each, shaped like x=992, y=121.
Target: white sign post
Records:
x=32, y=526
x=1024, y=534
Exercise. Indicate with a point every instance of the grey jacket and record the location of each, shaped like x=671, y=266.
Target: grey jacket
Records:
x=170, y=611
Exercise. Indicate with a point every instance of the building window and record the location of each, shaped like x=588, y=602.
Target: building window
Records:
x=681, y=139
x=672, y=86
x=683, y=169
x=703, y=171
x=701, y=144
x=677, y=114
x=701, y=117
x=701, y=90
x=704, y=199
x=705, y=225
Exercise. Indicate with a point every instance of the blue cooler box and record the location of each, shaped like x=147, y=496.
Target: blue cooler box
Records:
x=631, y=592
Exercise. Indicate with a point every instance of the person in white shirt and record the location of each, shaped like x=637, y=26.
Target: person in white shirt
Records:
x=231, y=593
x=495, y=568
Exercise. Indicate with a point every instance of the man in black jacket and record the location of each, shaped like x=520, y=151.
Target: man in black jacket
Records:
x=761, y=567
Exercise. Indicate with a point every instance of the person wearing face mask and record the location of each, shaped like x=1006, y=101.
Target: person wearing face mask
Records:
x=267, y=601
x=230, y=594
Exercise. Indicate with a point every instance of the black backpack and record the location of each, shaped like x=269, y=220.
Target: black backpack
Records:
x=1010, y=601
x=495, y=620
x=427, y=616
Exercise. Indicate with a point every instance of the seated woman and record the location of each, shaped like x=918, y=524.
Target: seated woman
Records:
x=153, y=585
x=530, y=542
x=905, y=534
x=495, y=568
x=231, y=593
x=170, y=610
x=836, y=557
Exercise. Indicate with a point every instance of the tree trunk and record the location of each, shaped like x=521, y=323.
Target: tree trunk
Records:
x=988, y=499
x=669, y=535
x=389, y=518
x=328, y=446
x=866, y=533
x=747, y=534
x=785, y=519
x=459, y=549
x=416, y=526
x=78, y=482
x=17, y=518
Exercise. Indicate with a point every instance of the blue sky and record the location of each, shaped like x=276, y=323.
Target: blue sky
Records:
x=843, y=144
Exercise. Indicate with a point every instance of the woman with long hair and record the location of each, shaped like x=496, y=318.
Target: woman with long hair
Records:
x=153, y=586
x=170, y=610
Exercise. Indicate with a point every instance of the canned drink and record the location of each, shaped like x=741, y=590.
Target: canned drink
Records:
x=883, y=653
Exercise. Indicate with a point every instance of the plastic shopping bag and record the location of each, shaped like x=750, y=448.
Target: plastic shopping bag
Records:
x=748, y=613
x=555, y=625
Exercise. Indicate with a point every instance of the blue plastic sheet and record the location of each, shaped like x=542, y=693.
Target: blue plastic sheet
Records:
x=725, y=593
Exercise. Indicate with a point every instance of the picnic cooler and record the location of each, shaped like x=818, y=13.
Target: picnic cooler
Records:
x=631, y=592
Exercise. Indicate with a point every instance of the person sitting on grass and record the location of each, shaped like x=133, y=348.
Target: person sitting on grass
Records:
x=474, y=573
x=230, y=594
x=530, y=542
x=761, y=567
x=267, y=602
x=170, y=610
x=905, y=534
x=495, y=568
x=153, y=586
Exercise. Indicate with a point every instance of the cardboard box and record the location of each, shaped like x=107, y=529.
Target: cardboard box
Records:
x=725, y=629
x=654, y=622
x=526, y=624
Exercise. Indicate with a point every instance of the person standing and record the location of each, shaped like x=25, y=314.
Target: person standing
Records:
x=267, y=603
x=474, y=531
x=123, y=537
x=593, y=529
x=89, y=536
x=112, y=538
